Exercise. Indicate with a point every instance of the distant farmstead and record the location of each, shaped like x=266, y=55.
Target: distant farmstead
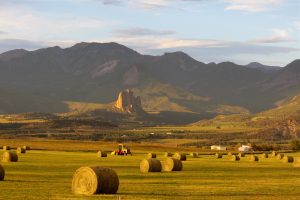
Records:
x=218, y=147
x=245, y=148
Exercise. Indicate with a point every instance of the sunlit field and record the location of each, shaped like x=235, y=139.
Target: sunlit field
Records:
x=48, y=175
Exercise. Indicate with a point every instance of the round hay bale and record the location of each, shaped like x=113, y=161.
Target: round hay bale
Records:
x=235, y=158
x=150, y=165
x=180, y=156
x=254, y=158
x=95, y=180
x=168, y=154
x=27, y=148
x=9, y=156
x=151, y=155
x=172, y=164
x=280, y=156
x=288, y=159
x=264, y=155
x=218, y=155
x=241, y=154
x=21, y=150
x=101, y=154
x=2, y=173
x=274, y=154
x=297, y=162
x=6, y=148
x=194, y=155
x=229, y=154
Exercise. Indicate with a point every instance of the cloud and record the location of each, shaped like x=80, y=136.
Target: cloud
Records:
x=2, y=32
x=112, y=2
x=252, y=5
x=279, y=35
x=296, y=24
x=136, y=31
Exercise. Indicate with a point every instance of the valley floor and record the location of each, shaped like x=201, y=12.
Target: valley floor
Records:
x=48, y=175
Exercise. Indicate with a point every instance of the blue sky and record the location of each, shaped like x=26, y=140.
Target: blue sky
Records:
x=242, y=31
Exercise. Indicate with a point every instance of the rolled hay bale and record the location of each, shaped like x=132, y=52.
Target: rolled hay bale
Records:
x=21, y=150
x=101, y=154
x=229, y=154
x=180, y=156
x=6, y=148
x=254, y=158
x=241, y=154
x=9, y=156
x=274, y=154
x=2, y=173
x=27, y=148
x=194, y=155
x=235, y=158
x=168, y=154
x=95, y=180
x=297, y=162
x=280, y=156
x=264, y=155
x=218, y=155
x=288, y=159
x=151, y=155
x=150, y=165
x=172, y=164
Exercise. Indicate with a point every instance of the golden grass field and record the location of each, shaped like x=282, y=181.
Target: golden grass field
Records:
x=47, y=174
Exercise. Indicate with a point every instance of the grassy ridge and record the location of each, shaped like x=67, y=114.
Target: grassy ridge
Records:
x=48, y=175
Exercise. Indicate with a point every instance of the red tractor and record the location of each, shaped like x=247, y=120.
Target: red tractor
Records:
x=122, y=151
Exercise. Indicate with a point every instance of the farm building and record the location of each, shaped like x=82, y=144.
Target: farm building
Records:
x=245, y=148
x=218, y=147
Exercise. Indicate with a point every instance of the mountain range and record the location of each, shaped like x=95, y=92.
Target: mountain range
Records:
x=55, y=79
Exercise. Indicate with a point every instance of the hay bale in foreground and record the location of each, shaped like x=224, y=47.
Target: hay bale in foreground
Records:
x=274, y=154
x=9, y=156
x=95, y=180
x=264, y=155
x=194, y=155
x=280, y=156
x=101, y=154
x=241, y=154
x=2, y=173
x=150, y=165
x=288, y=159
x=151, y=155
x=172, y=164
x=297, y=162
x=168, y=154
x=254, y=158
x=6, y=148
x=235, y=158
x=218, y=155
x=180, y=156
x=21, y=150
x=27, y=148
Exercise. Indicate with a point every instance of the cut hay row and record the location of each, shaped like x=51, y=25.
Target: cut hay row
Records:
x=2, y=173
x=151, y=155
x=101, y=154
x=288, y=159
x=168, y=154
x=172, y=164
x=150, y=165
x=21, y=150
x=254, y=158
x=235, y=158
x=95, y=180
x=180, y=156
x=218, y=155
x=9, y=156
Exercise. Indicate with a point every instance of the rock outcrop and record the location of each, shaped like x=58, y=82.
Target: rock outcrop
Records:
x=127, y=102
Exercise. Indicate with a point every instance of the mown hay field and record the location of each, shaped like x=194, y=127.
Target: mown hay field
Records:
x=48, y=175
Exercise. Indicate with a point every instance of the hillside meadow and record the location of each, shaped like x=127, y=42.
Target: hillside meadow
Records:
x=45, y=174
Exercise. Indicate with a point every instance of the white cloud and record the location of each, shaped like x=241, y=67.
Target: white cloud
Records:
x=278, y=35
x=252, y=5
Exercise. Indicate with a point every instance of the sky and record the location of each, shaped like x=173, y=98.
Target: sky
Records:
x=240, y=31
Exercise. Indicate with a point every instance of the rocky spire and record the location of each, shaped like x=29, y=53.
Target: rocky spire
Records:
x=127, y=102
